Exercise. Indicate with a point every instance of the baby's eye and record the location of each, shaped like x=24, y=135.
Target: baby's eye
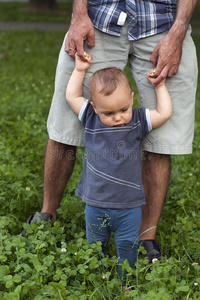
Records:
x=108, y=113
x=124, y=109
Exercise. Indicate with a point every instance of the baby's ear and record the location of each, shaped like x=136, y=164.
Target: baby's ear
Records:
x=132, y=95
x=92, y=103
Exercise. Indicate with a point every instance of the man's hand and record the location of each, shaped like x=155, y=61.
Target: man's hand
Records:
x=81, y=28
x=167, y=56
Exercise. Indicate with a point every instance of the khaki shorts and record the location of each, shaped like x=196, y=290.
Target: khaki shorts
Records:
x=176, y=135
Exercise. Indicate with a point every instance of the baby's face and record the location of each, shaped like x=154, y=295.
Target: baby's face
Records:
x=114, y=110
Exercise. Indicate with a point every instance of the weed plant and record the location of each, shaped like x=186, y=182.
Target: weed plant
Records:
x=57, y=262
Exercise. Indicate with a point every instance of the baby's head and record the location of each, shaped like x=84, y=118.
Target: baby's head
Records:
x=112, y=97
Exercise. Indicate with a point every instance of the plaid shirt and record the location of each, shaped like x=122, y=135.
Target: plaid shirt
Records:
x=144, y=17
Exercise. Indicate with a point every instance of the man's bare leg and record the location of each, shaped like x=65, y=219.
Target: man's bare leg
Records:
x=155, y=175
x=58, y=167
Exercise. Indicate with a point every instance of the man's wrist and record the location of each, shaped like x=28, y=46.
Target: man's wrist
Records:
x=178, y=30
x=80, y=8
x=180, y=27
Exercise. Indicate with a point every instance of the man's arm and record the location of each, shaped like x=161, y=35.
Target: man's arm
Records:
x=74, y=94
x=167, y=53
x=81, y=28
x=163, y=109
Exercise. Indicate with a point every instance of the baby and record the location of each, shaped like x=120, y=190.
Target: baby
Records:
x=111, y=180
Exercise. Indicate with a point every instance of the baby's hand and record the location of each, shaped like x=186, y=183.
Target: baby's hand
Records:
x=151, y=77
x=82, y=65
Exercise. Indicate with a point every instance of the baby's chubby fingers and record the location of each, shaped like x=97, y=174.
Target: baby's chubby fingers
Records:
x=88, y=57
x=151, y=76
x=83, y=63
x=152, y=73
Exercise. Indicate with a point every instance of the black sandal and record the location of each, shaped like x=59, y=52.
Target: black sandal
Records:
x=153, y=250
x=39, y=216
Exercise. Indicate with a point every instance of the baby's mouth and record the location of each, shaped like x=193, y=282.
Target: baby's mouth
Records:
x=119, y=125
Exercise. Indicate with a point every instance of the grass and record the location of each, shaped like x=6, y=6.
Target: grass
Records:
x=27, y=82
x=36, y=267
x=22, y=12
x=196, y=16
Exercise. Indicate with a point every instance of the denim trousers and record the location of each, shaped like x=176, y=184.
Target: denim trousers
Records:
x=125, y=223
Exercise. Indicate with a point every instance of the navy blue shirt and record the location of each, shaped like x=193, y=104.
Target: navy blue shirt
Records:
x=112, y=169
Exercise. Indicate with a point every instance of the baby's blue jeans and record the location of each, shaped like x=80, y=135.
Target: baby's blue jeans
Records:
x=125, y=223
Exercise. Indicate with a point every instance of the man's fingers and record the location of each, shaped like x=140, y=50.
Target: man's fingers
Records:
x=71, y=51
x=160, y=77
x=173, y=70
x=70, y=47
x=154, y=57
x=91, y=40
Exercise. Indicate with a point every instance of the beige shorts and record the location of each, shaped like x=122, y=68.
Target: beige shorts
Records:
x=176, y=135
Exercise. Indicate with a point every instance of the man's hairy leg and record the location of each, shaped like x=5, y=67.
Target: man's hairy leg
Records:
x=155, y=175
x=58, y=167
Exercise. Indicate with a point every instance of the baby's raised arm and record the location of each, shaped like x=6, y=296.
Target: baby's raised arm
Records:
x=163, y=110
x=74, y=93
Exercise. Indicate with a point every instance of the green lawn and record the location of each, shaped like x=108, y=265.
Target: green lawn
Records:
x=37, y=267
x=21, y=12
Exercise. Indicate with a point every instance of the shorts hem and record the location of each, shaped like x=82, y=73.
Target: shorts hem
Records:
x=172, y=150
x=66, y=140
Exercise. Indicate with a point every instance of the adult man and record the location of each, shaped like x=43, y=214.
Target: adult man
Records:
x=144, y=33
